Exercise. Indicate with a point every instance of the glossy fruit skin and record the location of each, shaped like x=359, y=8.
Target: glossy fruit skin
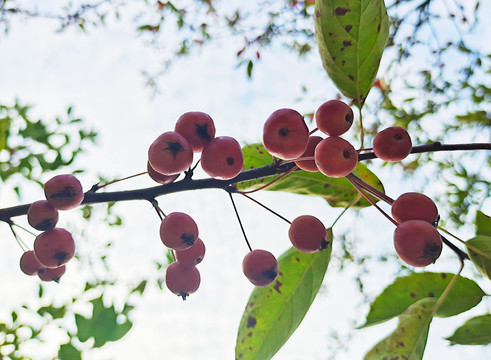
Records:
x=285, y=134
x=64, y=192
x=222, y=158
x=309, y=165
x=29, y=264
x=54, y=247
x=197, y=127
x=170, y=153
x=414, y=206
x=52, y=274
x=182, y=280
x=193, y=255
x=178, y=231
x=334, y=117
x=260, y=267
x=392, y=144
x=335, y=157
x=417, y=243
x=158, y=177
x=308, y=234
x=42, y=216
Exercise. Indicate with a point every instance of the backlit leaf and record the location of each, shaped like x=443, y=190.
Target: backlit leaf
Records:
x=405, y=291
x=273, y=313
x=408, y=341
x=479, y=250
x=351, y=35
x=337, y=191
x=475, y=331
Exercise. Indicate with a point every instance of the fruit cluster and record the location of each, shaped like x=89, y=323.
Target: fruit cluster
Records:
x=285, y=136
x=54, y=247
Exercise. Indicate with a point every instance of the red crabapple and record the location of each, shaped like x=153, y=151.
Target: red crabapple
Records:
x=158, y=177
x=170, y=153
x=335, y=157
x=392, y=144
x=193, y=255
x=222, y=158
x=285, y=134
x=41, y=215
x=29, y=264
x=414, y=206
x=260, y=267
x=417, y=243
x=308, y=234
x=178, y=231
x=197, y=127
x=54, y=247
x=182, y=280
x=52, y=274
x=309, y=165
x=64, y=192
x=334, y=117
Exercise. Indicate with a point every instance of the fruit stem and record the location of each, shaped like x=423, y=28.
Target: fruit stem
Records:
x=98, y=187
x=362, y=132
x=346, y=208
x=313, y=131
x=240, y=222
x=157, y=208
x=370, y=188
x=22, y=245
x=447, y=290
x=264, y=206
x=271, y=182
x=360, y=190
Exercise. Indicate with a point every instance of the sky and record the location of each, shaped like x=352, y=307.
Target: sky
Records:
x=99, y=74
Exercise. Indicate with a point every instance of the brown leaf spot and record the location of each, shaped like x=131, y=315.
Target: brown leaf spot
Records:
x=298, y=260
x=341, y=11
x=251, y=322
x=351, y=77
x=348, y=28
x=347, y=43
x=378, y=28
x=430, y=294
x=400, y=344
x=444, y=276
x=343, y=62
x=318, y=13
x=249, y=333
x=412, y=295
x=277, y=286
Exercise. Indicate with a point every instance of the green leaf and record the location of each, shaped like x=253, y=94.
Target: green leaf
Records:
x=479, y=250
x=103, y=326
x=273, y=313
x=337, y=191
x=483, y=224
x=55, y=312
x=405, y=291
x=475, y=331
x=69, y=352
x=408, y=341
x=351, y=35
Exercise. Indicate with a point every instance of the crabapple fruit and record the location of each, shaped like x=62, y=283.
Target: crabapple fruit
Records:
x=29, y=264
x=41, y=215
x=222, y=158
x=285, y=134
x=334, y=117
x=158, y=177
x=335, y=157
x=182, y=280
x=308, y=234
x=309, y=165
x=417, y=243
x=191, y=256
x=414, y=206
x=170, y=153
x=52, y=274
x=197, y=127
x=260, y=267
x=64, y=192
x=178, y=231
x=54, y=247
x=392, y=144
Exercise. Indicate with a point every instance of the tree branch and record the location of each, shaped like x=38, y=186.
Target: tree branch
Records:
x=186, y=184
